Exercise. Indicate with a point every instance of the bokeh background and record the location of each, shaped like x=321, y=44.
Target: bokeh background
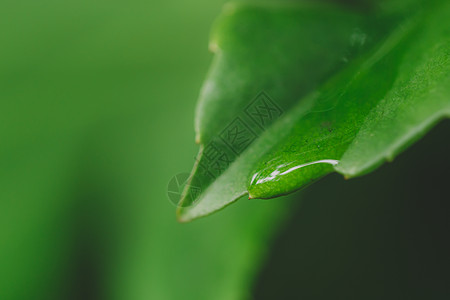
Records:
x=97, y=104
x=96, y=113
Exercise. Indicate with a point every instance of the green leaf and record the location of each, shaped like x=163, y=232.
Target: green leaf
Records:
x=394, y=88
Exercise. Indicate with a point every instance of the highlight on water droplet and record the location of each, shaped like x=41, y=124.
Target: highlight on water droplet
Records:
x=286, y=178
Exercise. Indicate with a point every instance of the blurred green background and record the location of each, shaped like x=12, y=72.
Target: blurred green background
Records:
x=96, y=112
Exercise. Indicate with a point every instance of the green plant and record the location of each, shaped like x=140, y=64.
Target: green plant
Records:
x=95, y=119
x=358, y=87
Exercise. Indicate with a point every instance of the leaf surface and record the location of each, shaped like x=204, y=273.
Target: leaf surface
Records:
x=348, y=117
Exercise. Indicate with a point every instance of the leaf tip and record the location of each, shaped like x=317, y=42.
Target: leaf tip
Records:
x=213, y=46
x=180, y=216
x=230, y=8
